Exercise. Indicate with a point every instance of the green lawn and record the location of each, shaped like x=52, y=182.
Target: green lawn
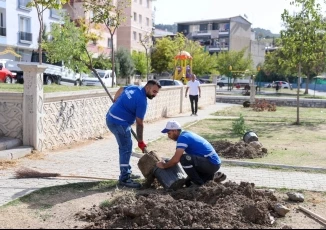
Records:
x=287, y=143
x=19, y=88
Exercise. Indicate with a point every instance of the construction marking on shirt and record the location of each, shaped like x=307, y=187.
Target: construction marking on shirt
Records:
x=182, y=145
x=128, y=93
x=210, y=154
x=188, y=167
x=118, y=118
x=124, y=165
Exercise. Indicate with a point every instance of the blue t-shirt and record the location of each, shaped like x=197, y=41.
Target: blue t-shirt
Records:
x=130, y=104
x=194, y=144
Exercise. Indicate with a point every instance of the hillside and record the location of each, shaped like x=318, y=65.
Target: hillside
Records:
x=171, y=28
x=265, y=33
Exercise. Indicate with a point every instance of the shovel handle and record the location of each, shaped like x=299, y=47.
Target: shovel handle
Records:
x=135, y=136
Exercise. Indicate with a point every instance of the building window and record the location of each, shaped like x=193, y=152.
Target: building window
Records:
x=109, y=42
x=140, y=2
x=147, y=21
x=135, y=16
x=140, y=19
x=22, y=4
x=25, y=34
x=140, y=37
x=2, y=27
x=135, y=36
x=91, y=14
x=54, y=13
x=135, y=0
x=147, y=3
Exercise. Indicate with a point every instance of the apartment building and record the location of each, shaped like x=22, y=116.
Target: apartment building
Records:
x=76, y=10
x=19, y=28
x=138, y=24
x=223, y=34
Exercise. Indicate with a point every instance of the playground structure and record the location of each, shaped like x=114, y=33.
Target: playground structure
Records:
x=183, y=67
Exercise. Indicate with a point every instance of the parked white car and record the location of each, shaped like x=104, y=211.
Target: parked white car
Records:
x=283, y=84
x=92, y=80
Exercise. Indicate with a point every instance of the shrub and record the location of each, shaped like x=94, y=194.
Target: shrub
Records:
x=238, y=126
x=262, y=105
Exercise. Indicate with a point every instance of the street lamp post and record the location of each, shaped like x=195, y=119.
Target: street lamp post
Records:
x=258, y=72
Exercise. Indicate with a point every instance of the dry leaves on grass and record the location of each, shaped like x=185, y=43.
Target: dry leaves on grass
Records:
x=7, y=164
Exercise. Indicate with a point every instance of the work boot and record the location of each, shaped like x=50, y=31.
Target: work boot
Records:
x=130, y=183
x=219, y=177
x=134, y=177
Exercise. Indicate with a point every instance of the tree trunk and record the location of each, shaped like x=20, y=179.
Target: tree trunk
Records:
x=298, y=93
x=307, y=86
x=147, y=63
x=112, y=60
x=40, y=18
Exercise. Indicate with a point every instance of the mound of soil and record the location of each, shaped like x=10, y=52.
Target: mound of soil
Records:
x=212, y=205
x=239, y=150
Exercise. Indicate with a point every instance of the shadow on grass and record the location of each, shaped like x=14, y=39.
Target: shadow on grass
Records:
x=45, y=198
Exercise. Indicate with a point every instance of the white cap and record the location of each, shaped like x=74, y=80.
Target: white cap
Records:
x=171, y=125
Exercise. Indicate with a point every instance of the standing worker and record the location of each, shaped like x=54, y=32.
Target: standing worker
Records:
x=196, y=155
x=130, y=104
x=194, y=93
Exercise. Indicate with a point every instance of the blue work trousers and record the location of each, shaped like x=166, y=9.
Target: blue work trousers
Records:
x=123, y=136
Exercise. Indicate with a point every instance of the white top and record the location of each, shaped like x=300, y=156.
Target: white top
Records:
x=193, y=87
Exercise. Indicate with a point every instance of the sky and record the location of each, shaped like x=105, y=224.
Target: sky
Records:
x=265, y=14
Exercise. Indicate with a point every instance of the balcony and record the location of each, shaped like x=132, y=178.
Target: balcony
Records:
x=3, y=31
x=25, y=37
x=22, y=4
x=217, y=48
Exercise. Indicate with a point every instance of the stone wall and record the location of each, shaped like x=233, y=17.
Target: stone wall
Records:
x=292, y=102
x=69, y=117
x=11, y=115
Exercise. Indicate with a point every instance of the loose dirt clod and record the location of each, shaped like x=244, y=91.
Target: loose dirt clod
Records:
x=147, y=163
x=212, y=205
x=238, y=150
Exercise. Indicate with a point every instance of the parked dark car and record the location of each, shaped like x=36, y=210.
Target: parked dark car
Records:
x=204, y=79
x=169, y=82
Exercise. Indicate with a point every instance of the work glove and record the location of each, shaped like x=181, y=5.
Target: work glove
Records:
x=142, y=145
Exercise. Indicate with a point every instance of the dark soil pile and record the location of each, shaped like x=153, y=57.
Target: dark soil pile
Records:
x=212, y=205
x=239, y=150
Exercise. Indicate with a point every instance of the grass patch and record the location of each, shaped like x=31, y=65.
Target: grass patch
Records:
x=19, y=88
x=286, y=143
x=46, y=198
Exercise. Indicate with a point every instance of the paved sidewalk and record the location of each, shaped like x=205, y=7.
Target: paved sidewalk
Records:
x=100, y=159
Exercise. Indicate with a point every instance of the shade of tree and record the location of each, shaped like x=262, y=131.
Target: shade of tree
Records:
x=239, y=62
x=110, y=13
x=41, y=6
x=163, y=55
x=140, y=62
x=303, y=41
x=126, y=64
x=69, y=44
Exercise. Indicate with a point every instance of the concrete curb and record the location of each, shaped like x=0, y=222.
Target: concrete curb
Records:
x=15, y=153
x=266, y=165
x=254, y=164
x=9, y=143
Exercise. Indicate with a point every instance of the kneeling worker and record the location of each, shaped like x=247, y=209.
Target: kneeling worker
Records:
x=196, y=155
